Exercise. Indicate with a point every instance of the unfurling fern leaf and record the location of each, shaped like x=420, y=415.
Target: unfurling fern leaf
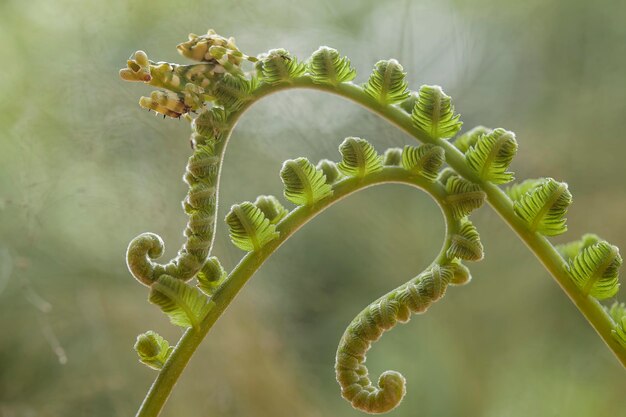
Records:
x=434, y=113
x=469, y=138
x=571, y=249
x=392, y=157
x=271, y=208
x=543, y=208
x=359, y=158
x=465, y=244
x=326, y=66
x=249, y=228
x=424, y=160
x=304, y=184
x=278, y=66
x=463, y=196
x=382, y=315
x=186, y=306
x=211, y=276
x=152, y=349
x=516, y=191
x=140, y=254
x=595, y=270
x=492, y=154
x=387, y=83
x=330, y=170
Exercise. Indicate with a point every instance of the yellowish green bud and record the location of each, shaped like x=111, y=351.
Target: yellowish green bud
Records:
x=152, y=349
x=137, y=68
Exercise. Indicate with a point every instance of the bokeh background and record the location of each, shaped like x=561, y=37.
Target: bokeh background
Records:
x=83, y=170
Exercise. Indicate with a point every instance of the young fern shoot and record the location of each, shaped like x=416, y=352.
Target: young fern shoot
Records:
x=215, y=92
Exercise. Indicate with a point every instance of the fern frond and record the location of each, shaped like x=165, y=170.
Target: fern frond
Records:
x=516, y=191
x=571, y=249
x=329, y=168
x=278, y=66
x=466, y=244
x=304, y=184
x=186, y=306
x=469, y=138
x=152, y=349
x=359, y=158
x=463, y=196
x=416, y=296
x=211, y=276
x=434, y=113
x=249, y=228
x=232, y=92
x=425, y=160
x=544, y=207
x=595, y=270
x=271, y=208
x=492, y=154
x=387, y=83
x=326, y=66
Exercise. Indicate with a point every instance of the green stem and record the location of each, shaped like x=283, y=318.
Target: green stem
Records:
x=252, y=261
x=590, y=308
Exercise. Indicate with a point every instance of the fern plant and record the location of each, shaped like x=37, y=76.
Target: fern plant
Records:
x=460, y=173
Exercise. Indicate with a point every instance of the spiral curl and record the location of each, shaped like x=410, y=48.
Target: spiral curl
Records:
x=396, y=307
x=200, y=204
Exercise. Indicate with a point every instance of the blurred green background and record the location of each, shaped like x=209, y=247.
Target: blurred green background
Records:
x=83, y=170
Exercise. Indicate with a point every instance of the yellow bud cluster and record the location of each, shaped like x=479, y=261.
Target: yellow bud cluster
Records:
x=137, y=68
x=210, y=47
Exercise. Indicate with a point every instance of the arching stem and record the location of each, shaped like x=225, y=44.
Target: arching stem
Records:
x=590, y=308
x=252, y=261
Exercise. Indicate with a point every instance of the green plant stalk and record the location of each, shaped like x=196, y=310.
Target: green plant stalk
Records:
x=252, y=261
x=545, y=252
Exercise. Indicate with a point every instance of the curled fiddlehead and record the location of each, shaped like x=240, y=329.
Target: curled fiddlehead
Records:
x=211, y=276
x=219, y=79
x=415, y=296
x=152, y=349
x=396, y=307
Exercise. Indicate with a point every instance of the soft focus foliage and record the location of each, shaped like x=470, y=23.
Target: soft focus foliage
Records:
x=83, y=170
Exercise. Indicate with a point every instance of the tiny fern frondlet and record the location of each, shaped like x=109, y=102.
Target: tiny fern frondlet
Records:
x=459, y=172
